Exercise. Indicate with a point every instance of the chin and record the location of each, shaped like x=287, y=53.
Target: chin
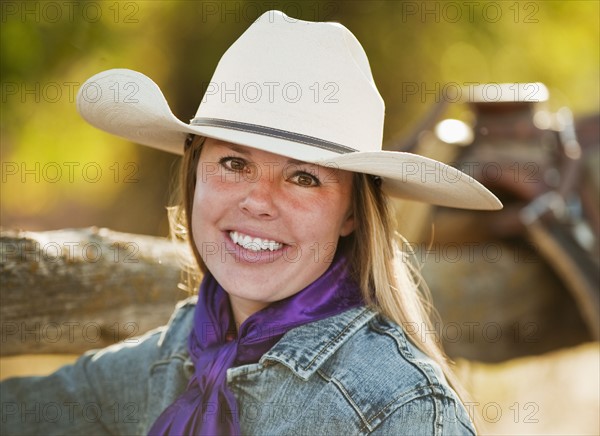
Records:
x=257, y=290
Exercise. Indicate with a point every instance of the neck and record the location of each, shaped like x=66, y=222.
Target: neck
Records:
x=242, y=309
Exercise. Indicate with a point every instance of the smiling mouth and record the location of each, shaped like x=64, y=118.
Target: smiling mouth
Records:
x=254, y=244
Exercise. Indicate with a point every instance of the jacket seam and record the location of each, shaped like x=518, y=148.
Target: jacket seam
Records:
x=429, y=392
x=432, y=395
x=401, y=342
x=348, y=327
x=176, y=323
x=436, y=386
x=167, y=361
x=346, y=396
x=438, y=424
x=104, y=425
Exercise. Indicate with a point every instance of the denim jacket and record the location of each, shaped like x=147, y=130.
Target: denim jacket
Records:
x=353, y=373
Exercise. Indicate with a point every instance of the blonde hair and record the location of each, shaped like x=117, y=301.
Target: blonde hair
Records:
x=390, y=280
x=389, y=277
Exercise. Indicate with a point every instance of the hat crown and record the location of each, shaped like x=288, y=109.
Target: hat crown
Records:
x=303, y=77
x=294, y=88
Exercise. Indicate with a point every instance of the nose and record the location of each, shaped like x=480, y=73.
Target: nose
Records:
x=259, y=198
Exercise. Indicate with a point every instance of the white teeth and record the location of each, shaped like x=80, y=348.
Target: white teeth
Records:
x=254, y=244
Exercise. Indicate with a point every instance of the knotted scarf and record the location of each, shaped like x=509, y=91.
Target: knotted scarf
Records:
x=208, y=407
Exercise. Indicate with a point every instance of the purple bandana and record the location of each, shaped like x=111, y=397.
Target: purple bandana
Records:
x=208, y=407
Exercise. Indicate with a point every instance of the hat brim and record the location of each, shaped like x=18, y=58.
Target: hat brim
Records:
x=129, y=104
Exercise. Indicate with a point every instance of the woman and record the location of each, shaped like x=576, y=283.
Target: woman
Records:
x=298, y=327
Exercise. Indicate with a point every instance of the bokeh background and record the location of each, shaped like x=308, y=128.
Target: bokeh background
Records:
x=58, y=172
x=50, y=49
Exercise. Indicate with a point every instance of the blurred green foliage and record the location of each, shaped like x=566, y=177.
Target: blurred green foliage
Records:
x=49, y=48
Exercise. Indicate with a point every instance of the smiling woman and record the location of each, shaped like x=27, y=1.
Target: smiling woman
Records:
x=306, y=311
x=255, y=198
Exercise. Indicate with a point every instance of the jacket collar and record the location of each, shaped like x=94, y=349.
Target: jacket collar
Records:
x=304, y=349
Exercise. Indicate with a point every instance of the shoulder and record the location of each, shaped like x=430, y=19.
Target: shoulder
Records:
x=160, y=343
x=104, y=391
x=172, y=338
x=399, y=385
x=392, y=387
x=380, y=348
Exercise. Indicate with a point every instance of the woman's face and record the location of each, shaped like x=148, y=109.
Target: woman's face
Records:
x=266, y=226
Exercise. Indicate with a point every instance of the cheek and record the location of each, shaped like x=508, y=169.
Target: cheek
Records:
x=197, y=218
x=339, y=210
x=324, y=220
x=210, y=188
x=203, y=210
x=213, y=200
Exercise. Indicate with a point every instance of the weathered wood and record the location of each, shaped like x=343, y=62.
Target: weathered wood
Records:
x=68, y=291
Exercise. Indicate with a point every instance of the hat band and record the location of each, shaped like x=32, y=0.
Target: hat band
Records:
x=276, y=133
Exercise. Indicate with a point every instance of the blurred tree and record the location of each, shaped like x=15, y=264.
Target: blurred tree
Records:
x=416, y=49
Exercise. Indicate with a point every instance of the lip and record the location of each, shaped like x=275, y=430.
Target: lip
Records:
x=243, y=255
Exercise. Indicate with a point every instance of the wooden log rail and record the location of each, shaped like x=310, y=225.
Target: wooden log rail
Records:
x=68, y=291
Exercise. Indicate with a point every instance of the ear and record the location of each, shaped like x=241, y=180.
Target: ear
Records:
x=348, y=225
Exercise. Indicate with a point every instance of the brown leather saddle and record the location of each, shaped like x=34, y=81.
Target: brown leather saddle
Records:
x=545, y=168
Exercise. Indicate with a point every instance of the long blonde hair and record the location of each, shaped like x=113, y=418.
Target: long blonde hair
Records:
x=390, y=280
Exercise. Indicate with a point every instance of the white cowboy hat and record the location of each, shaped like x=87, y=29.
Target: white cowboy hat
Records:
x=299, y=89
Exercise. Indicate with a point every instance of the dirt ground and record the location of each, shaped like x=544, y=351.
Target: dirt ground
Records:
x=553, y=394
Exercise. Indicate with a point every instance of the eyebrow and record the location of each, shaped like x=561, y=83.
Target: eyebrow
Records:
x=236, y=148
x=299, y=162
x=244, y=150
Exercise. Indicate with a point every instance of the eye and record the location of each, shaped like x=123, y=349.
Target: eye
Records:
x=302, y=178
x=233, y=163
